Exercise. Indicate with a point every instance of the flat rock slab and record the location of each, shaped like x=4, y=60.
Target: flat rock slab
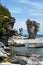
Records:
x=26, y=54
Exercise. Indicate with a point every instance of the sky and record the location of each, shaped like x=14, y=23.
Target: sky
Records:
x=23, y=10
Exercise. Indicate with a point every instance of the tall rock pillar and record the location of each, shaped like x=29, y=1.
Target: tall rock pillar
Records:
x=32, y=28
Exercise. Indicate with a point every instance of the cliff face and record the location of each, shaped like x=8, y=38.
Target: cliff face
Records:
x=8, y=32
x=10, y=27
x=32, y=28
x=6, y=24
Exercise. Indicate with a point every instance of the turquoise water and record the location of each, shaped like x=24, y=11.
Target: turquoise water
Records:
x=29, y=50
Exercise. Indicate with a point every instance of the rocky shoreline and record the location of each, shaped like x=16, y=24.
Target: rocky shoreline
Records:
x=20, y=58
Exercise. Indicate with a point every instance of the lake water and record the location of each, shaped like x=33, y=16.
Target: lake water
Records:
x=30, y=50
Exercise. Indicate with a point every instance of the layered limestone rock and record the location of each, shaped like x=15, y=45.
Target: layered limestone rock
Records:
x=8, y=32
x=32, y=28
x=21, y=31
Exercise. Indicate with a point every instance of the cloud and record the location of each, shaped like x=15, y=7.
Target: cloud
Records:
x=35, y=12
x=38, y=5
x=19, y=24
x=22, y=23
x=33, y=9
x=37, y=9
x=15, y=10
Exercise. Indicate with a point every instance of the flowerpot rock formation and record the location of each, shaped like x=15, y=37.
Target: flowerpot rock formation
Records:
x=32, y=28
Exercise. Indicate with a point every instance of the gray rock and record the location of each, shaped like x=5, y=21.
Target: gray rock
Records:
x=32, y=28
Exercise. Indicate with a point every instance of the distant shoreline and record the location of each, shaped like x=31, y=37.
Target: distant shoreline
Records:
x=39, y=35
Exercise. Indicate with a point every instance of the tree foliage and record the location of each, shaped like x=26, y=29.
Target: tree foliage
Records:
x=4, y=11
x=4, y=17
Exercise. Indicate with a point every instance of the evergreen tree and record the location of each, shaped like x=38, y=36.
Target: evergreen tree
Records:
x=5, y=16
